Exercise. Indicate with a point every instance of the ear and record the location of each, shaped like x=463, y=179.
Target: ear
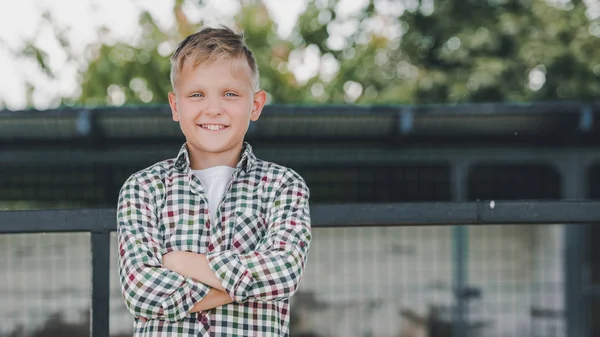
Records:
x=258, y=102
x=173, y=105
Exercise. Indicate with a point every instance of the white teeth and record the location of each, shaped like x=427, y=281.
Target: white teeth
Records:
x=213, y=127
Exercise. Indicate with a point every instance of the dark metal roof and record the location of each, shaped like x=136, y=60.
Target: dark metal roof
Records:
x=505, y=123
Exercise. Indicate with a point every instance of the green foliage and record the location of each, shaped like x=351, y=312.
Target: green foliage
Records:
x=499, y=45
x=139, y=71
x=389, y=52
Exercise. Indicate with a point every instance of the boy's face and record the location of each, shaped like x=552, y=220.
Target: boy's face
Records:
x=214, y=105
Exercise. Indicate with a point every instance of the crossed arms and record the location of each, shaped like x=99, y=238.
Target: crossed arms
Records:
x=173, y=285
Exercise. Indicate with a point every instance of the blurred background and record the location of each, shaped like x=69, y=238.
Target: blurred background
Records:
x=373, y=102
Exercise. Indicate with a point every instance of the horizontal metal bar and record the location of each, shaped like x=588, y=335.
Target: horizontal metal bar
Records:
x=344, y=215
x=457, y=213
x=475, y=123
x=349, y=215
x=546, y=212
x=72, y=220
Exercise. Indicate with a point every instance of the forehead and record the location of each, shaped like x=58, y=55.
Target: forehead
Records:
x=216, y=71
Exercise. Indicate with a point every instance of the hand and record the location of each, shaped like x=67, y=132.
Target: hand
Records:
x=215, y=298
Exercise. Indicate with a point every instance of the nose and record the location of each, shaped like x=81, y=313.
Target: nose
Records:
x=213, y=107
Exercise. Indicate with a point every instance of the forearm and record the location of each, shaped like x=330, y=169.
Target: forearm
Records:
x=149, y=289
x=171, y=298
x=265, y=275
x=194, y=266
x=214, y=298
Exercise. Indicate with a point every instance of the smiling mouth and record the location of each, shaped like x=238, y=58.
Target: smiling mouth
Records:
x=213, y=127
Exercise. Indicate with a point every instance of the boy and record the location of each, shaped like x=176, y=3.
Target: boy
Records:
x=213, y=242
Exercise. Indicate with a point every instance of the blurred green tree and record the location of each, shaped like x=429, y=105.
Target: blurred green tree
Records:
x=388, y=52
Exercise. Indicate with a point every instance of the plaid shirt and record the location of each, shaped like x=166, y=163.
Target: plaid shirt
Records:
x=257, y=249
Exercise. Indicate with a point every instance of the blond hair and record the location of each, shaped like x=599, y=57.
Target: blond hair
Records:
x=211, y=44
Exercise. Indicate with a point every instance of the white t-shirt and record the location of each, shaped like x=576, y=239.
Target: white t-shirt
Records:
x=215, y=181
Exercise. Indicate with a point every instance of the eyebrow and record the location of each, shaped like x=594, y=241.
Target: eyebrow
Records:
x=225, y=87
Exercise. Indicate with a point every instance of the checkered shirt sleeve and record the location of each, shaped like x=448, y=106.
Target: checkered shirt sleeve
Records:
x=274, y=269
x=149, y=289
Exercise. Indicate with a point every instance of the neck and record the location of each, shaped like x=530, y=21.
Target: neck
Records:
x=200, y=160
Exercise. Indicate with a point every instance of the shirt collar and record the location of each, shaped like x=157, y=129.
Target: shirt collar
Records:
x=182, y=162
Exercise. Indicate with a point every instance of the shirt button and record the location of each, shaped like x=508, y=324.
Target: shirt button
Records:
x=202, y=316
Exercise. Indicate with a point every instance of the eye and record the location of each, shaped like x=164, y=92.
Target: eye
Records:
x=196, y=95
x=231, y=94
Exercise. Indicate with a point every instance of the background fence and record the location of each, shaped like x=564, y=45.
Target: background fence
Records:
x=392, y=254
x=395, y=281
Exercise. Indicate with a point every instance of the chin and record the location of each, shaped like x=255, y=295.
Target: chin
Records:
x=214, y=146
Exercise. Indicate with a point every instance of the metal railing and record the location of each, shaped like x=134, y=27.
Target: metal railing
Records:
x=101, y=222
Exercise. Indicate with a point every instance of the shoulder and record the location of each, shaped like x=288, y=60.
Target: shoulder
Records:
x=278, y=176
x=151, y=179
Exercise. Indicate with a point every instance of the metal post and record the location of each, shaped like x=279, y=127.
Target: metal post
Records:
x=100, y=244
x=460, y=235
x=577, y=308
x=577, y=304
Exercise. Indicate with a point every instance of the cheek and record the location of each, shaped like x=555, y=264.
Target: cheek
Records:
x=186, y=112
x=241, y=109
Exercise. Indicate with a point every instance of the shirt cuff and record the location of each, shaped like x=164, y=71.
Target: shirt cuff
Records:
x=232, y=273
x=178, y=305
